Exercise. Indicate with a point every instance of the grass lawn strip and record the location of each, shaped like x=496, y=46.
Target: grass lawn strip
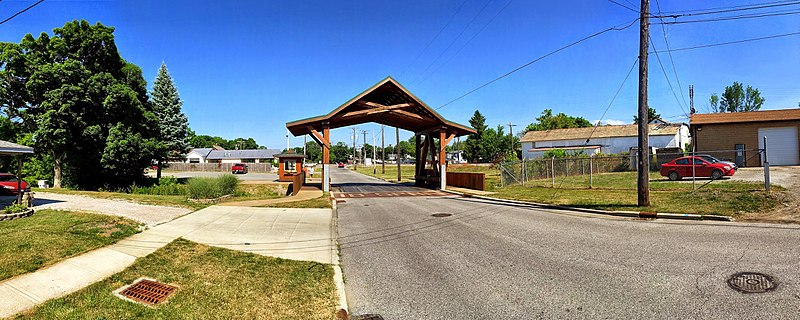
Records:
x=321, y=202
x=213, y=283
x=49, y=236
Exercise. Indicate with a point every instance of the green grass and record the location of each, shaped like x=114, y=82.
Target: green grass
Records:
x=243, y=192
x=406, y=172
x=213, y=283
x=617, y=191
x=158, y=200
x=49, y=236
x=321, y=202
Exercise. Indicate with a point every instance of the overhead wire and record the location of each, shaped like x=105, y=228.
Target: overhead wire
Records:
x=738, y=17
x=466, y=43
x=729, y=42
x=744, y=6
x=434, y=38
x=614, y=28
x=671, y=60
x=671, y=88
x=624, y=6
x=454, y=39
x=21, y=12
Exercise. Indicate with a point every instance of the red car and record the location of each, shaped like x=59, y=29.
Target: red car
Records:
x=682, y=167
x=238, y=168
x=8, y=182
x=341, y=165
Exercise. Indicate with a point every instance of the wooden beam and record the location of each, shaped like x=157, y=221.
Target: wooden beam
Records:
x=442, y=144
x=320, y=139
x=406, y=113
x=379, y=109
x=449, y=139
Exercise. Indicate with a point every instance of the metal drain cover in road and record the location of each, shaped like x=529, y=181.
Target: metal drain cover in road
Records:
x=441, y=214
x=752, y=282
x=147, y=291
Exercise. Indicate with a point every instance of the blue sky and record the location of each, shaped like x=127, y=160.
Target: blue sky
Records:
x=245, y=68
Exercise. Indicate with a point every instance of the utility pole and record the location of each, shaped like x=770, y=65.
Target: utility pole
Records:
x=374, y=153
x=691, y=99
x=287, y=140
x=383, y=152
x=511, y=134
x=643, y=154
x=354, y=148
x=397, y=151
x=363, y=146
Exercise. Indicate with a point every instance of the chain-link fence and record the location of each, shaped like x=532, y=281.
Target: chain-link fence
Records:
x=580, y=171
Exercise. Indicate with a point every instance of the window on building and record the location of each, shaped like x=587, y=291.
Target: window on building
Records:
x=194, y=160
x=249, y=160
x=290, y=166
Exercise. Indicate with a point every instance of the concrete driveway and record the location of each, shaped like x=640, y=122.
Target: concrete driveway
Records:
x=495, y=261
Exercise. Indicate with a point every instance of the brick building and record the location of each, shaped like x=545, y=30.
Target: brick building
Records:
x=736, y=136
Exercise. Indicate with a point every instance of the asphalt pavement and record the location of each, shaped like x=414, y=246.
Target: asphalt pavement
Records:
x=496, y=261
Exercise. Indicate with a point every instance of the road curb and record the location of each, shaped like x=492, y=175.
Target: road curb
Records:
x=338, y=275
x=627, y=214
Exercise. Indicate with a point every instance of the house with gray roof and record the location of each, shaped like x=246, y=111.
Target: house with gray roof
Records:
x=212, y=155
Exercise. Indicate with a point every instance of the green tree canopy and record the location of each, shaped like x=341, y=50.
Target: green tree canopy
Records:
x=651, y=114
x=84, y=105
x=548, y=121
x=737, y=98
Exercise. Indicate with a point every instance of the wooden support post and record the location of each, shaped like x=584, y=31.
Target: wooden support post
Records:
x=19, y=179
x=397, y=151
x=443, y=159
x=326, y=157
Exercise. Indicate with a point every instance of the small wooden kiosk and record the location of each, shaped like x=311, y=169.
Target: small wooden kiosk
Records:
x=290, y=164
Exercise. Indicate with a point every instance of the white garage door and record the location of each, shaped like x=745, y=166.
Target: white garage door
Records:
x=782, y=145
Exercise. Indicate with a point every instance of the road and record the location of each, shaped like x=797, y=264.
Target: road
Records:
x=495, y=261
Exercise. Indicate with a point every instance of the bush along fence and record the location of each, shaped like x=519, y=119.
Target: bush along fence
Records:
x=542, y=170
x=218, y=167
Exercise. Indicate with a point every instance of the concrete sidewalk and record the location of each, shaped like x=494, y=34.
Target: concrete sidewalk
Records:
x=300, y=234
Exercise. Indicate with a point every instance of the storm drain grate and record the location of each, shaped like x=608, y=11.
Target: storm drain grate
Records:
x=752, y=282
x=148, y=292
x=441, y=215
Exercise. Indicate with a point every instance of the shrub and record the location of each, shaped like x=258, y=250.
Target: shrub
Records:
x=207, y=188
x=15, y=208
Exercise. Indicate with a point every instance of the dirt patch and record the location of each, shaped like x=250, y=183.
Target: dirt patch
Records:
x=788, y=209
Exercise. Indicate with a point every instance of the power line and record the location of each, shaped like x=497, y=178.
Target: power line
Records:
x=624, y=6
x=615, y=28
x=758, y=7
x=744, y=16
x=23, y=10
x=667, y=77
x=466, y=43
x=674, y=69
x=455, y=39
x=727, y=7
x=612, y=101
x=730, y=42
x=432, y=40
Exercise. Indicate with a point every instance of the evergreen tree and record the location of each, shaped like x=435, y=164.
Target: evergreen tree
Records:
x=173, y=124
x=474, y=150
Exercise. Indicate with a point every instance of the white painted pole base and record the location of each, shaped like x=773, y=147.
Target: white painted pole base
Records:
x=326, y=179
x=443, y=180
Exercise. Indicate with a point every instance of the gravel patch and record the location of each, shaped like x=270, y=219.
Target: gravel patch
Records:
x=148, y=214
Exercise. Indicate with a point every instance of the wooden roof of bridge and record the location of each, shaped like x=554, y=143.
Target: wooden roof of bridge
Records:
x=387, y=102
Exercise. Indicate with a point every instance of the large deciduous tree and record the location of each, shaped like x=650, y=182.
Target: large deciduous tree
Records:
x=84, y=105
x=737, y=98
x=173, y=124
x=548, y=121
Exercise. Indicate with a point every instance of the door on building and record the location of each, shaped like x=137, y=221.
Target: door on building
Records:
x=782, y=146
x=741, y=157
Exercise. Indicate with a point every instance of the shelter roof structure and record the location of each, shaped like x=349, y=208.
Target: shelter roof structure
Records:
x=387, y=102
x=13, y=149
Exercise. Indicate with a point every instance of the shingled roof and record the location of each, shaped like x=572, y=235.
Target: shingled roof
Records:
x=629, y=130
x=242, y=154
x=752, y=116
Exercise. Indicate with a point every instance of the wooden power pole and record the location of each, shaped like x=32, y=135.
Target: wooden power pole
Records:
x=643, y=154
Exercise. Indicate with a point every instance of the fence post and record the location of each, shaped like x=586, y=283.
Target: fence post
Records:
x=766, y=166
x=553, y=171
x=591, y=177
x=524, y=172
x=566, y=167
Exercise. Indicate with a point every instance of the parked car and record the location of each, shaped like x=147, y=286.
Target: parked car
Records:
x=712, y=159
x=8, y=182
x=239, y=168
x=682, y=167
x=341, y=165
